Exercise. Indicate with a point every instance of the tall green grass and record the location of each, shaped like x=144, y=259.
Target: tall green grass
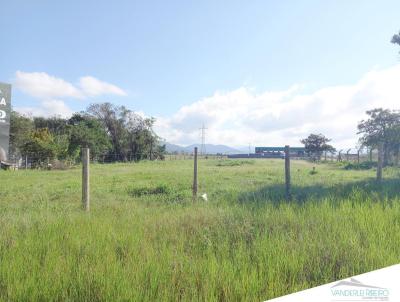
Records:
x=144, y=239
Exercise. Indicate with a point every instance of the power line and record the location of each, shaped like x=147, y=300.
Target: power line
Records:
x=203, y=140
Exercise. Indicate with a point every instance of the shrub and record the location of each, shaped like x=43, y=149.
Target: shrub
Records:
x=313, y=171
x=232, y=163
x=366, y=165
x=147, y=190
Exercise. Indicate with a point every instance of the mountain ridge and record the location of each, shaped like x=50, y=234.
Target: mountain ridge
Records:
x=210, y=148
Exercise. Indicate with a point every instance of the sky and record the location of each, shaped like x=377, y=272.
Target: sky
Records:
x=254, y=72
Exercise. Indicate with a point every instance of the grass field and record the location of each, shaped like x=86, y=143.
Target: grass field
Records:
x=144, y=240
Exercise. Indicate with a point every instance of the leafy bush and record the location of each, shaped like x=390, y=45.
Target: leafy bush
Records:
x=232, y=163
x=147, y=190
x=366, y=165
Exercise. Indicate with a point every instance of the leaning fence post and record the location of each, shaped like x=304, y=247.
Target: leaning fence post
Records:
x=85, y=179
x=195, y=175
x=380, y=163
x=287, y=172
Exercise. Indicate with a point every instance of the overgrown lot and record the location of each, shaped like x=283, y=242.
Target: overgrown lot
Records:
x=144, y=239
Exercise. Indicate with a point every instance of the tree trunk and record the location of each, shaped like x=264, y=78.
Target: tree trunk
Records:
x=385, y=154
x=396, y=156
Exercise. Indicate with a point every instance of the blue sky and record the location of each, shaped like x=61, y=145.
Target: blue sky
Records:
x=169, y=57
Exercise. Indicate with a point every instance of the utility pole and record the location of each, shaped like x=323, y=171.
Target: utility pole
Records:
x=203, y=140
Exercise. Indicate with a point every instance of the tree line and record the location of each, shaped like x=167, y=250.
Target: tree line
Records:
x=113, y=133
x=382, y=127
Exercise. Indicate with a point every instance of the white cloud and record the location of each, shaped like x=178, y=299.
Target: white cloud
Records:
x=94, y=87
x=284, y=117
x=49, y=89
x=44, y=86
x=47, y=108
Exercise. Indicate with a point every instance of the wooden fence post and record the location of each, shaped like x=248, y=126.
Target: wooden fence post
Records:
x=85, y=179
x=287, y=172
x=380, y=163
x=195, y=175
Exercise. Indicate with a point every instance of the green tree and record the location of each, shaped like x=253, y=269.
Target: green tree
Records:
x=160, y=151
x=143, y=141
x=55, y=124
x=381, y=127
x=86, y=131
x=396, y=39
x=59, y=131
x=131, y=135
x=20, y=130
x=316, y=144
x=113, y=119
x=39, y=147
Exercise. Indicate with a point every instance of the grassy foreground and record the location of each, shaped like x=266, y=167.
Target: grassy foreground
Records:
x=144, y=240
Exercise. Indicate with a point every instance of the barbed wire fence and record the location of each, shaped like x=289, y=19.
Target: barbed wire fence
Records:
x=37, y=162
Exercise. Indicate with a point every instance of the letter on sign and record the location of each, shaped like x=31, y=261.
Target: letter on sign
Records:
x=5, y=109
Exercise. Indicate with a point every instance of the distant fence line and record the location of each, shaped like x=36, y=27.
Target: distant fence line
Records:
x=29, y=162
x=327, y=156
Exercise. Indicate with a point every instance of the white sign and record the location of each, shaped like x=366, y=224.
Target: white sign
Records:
x=5, y=110
x=379, y=285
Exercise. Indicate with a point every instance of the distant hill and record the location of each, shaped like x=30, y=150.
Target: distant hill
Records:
x=210, y=148
x=173, y=148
